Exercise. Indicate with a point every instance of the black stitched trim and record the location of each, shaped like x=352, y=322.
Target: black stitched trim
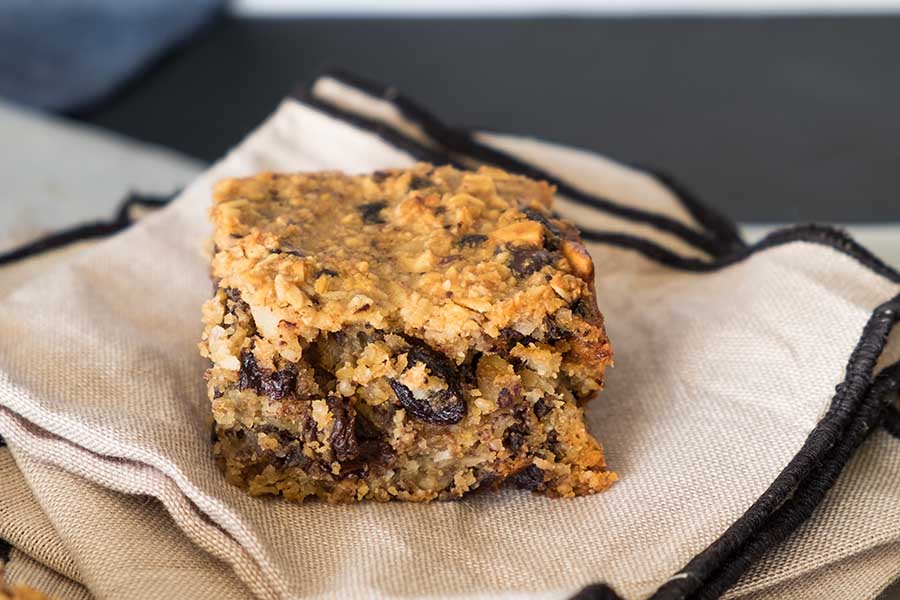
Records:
x=800, y=486
x=800, y=506
x=718, y=224
x=389, y=134
x=815, y=234
x=86, y=231
x=461, y=142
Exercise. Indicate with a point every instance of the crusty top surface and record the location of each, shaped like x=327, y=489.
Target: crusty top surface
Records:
x=455, y=258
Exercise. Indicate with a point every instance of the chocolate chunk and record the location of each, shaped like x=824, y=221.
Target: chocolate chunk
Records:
x=472, y=240
x=371, y=212
x=529, y=478
x=327, y=273
x=418, y=183
x=274, y=384
x=342, y=439
x=541, y=408
x=525, y=261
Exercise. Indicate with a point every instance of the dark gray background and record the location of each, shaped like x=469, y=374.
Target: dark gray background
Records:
x=770, y=119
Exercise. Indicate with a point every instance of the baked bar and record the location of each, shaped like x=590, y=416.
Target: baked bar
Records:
x=411, y=334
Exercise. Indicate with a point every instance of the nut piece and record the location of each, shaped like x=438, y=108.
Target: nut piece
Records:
x=578, y=257
x=523, y=232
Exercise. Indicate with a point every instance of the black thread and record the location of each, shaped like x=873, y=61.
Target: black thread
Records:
x=461, y=142
x=86, y=231
x=814, y=234
x=415, y=149
x=827, y=434
x=715, y=222
x=800, y=506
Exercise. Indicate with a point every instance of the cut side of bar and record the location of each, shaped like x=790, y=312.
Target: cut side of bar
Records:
x=410, y=334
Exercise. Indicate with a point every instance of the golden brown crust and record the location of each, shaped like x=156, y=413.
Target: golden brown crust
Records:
x=408, y=334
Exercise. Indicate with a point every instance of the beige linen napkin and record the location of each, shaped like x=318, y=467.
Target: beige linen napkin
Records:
x=727, y=360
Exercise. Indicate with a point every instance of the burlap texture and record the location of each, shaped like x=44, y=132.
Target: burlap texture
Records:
x=719, y=378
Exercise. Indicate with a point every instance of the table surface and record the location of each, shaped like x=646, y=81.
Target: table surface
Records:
x=776, y=119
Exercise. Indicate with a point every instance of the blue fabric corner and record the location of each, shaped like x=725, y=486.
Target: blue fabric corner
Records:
x=60, y=55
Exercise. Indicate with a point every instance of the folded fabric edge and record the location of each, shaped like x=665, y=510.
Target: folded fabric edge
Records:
x=133, y=477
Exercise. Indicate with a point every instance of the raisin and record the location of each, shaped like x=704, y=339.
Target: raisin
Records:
x=445, y=407
x=284, y=436
x=505, y=397
x=551, y=242
x=472, y=240
x=529, y=478
x=373, y=448
x=441, y=408
x=295, y=458
x=342, y=439
x=525, y=261
x=274, y=384
x=510, y=337
x=535, y=215
x=541, y=409
x=582, y=308
x=327, y=272
x=552, y=331
x=291, y=251
x=514, y=437
x=418, y=183
x=371, y=212
x=554, y=446
x=379, y=176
